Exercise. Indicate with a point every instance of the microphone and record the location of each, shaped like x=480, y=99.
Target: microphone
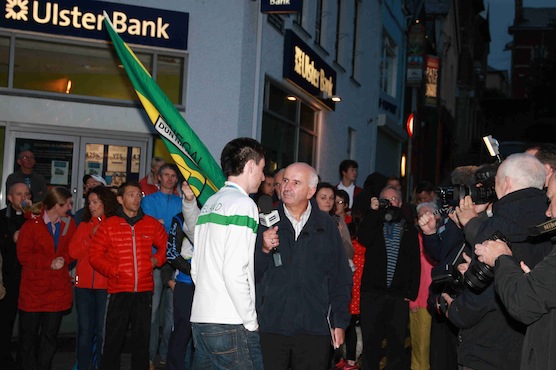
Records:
x=267, y=216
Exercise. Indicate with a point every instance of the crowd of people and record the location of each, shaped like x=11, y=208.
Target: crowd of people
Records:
x=429, y=282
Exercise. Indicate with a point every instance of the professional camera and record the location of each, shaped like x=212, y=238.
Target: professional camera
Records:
x=478, y=182
x=451, y=195
x=389, y=212
x=383, y=204
x=479, y=275
x=445, y=279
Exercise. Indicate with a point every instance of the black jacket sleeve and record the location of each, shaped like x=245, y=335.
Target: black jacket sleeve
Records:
x=173, y=248
x=527, y=297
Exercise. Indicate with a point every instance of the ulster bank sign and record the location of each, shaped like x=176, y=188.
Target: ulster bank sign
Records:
x=137, y=25
x=308, y=70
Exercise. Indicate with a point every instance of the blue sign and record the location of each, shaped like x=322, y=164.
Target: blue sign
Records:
x=308, y=70
x=136, y=25
x=281, y=6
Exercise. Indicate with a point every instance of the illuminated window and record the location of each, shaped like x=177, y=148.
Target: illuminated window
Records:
x=4, y=60
x=74, y=70
x=289, y=129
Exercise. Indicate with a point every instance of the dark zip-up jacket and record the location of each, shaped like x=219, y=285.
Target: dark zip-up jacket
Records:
x=314, y=281
x=407, y=275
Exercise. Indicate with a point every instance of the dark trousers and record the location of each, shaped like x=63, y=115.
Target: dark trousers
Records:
x=444, y=344
x=8, y=312
x=298, y=352
x=123, y=309
x=91, y=307
x=383, y=315
x=351, y=338
x=181, y=335
x=38, y=332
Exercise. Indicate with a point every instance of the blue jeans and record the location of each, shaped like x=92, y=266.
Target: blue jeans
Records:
x=224, y=346
x=91, y=307
x=167, y=320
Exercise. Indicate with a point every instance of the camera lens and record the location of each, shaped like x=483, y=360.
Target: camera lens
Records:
x=478, y=276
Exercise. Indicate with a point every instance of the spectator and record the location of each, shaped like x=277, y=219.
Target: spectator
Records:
x=350, y=363
x=278, y=177
x=11, y=219
x=89, y=182
x=546, y=153
x=326, y=201
x=178, y=253
x=424, y=192
x=374, y=183
x=90, y=286
x=390, y=280
x=222, y=266
x=149, y=184
x=394, y=182
x=121, y=250
x=267, y=186
x=26, y=174
x=45, y=291
x=162, y=205
x=303, y=293
x=420, y=319
x=442, y=240
x=348, y=175
x=341, y=206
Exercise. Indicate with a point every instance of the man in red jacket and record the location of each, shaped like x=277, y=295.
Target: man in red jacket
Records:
x=121, y=251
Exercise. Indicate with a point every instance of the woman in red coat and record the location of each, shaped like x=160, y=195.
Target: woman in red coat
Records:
x=90, y=285
x=45, y=290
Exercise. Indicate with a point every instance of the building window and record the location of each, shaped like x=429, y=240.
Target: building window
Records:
x=318, y=23
x=85, y=69
x=276, y=21
x=299, y=15
x=388, y=65
x=288, y=130
x=4, y=60
x=339, y=34
x=354, y=52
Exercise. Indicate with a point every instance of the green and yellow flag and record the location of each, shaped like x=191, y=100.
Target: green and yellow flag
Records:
x=191, y=156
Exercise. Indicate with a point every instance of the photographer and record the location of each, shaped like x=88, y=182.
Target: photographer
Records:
x=529, y=297
x=489, y=337
x=390, y=279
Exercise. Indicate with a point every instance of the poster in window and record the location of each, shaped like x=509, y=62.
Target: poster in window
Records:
x=135, y=159
x=117, y=158
x=60, y=173
x=94, y=158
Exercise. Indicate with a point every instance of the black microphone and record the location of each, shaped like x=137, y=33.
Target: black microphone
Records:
x=267, y=216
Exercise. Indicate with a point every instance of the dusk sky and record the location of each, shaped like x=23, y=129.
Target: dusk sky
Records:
x=501, y=17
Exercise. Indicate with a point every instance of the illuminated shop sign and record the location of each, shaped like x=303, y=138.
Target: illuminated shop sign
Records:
x=433, y=63
x=281, y=6
x=137, y=25
x=305, y=68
